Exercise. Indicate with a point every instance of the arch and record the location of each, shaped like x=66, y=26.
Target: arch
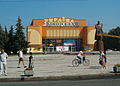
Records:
x=34, y=37
x=91, y=37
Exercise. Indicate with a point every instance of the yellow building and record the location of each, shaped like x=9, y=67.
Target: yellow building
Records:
x=60, y=34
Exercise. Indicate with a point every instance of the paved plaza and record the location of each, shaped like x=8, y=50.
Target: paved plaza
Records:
x=56, y=65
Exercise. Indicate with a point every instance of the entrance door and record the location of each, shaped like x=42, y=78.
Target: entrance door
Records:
x=51, y=44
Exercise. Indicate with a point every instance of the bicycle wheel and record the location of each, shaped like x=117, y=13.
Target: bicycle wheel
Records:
x=75, y=62
x=86, y=62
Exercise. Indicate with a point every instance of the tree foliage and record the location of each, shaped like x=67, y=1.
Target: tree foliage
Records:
x=19, y=38
x=6, y=38
x=111, y=42
x=14, y=39
x=2, y=37
x=10, y=43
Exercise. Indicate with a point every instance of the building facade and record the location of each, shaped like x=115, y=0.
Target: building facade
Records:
x=60, y=34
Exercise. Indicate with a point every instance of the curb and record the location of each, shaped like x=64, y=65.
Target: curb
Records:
x=74, y=77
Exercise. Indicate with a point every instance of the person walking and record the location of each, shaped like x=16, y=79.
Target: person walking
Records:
x=30, y=60
x=3, y=63
x=102, y=59
x=21, y=58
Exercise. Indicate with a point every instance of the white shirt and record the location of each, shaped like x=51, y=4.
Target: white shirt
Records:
x=3, y=57
x=80, y=54
x=20, y=54
x=101, y=55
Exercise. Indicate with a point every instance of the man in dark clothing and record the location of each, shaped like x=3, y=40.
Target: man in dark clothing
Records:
x=30, y=60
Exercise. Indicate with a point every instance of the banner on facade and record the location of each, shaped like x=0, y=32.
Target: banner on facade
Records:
x=62, y=48
x=69, y=42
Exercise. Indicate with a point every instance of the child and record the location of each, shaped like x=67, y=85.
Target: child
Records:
x=30, y=60
x=101, y=58
x=104, y=60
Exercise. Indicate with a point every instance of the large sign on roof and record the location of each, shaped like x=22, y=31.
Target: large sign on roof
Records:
x=60, y=22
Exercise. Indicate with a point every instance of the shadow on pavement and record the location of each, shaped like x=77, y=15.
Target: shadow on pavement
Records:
x=94, y=67
x=71, y=66
x=20, y=71
x=12, y=67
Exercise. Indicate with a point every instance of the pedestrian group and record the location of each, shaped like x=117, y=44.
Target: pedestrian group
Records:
x=3, y=61
x=4, y=56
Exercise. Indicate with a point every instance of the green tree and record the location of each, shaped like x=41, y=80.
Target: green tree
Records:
x=2, y=37
x=10, y=43
x=6, y=32
x=6, y=39
x=19, y=37
x=113, y=43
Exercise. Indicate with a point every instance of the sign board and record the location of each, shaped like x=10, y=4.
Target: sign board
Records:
x=62, y=48
x=69, y=41
x=60, y=22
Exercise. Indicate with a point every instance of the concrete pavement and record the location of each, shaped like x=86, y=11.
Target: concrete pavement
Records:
x=59, y=66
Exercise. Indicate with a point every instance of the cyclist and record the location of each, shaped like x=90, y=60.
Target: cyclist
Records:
x=80, y=56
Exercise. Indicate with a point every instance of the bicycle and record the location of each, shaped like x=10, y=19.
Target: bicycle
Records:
x=77, y=62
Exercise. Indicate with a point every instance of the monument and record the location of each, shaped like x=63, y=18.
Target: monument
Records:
x=99, y=45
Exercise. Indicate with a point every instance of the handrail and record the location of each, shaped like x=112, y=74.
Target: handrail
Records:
x=103, y=34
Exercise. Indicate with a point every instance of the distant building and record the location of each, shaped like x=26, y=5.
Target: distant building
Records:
x=60, y=34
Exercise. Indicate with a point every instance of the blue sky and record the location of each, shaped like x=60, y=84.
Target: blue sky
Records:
x=106, y=11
